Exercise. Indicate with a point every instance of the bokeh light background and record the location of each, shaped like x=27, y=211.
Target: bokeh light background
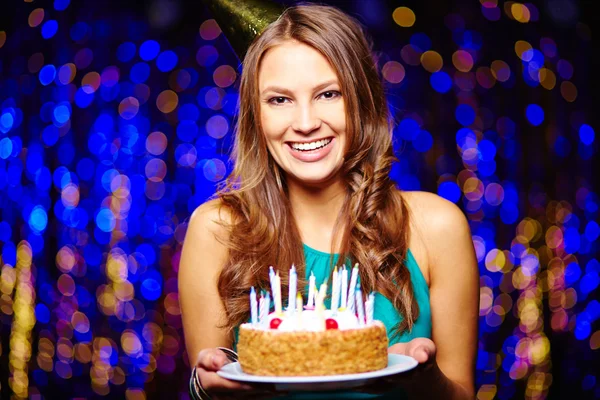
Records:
x=116, y=121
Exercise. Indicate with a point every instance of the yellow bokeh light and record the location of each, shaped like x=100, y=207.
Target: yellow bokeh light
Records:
x=135, y=394
x=432, y=61
x=568, y=91
x=67, y=73
x=65, y=259
x=595, y=341
x=2, y=38
x=487, y=392
x=167, y=101
x=462, y=60
x=36, y=17
x=70, y=195
x=131, y=343
x=521, y=47
x=90, y=82
x=569, y=299
x=495, y=260
x=547, y=78
x=404, y=16
x=539, y=350
x=473, y=189
x=486, y=300
x=500, y=70
x=520, y=12
x=83, y=353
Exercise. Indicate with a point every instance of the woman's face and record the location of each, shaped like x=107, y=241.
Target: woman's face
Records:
x=302, y=112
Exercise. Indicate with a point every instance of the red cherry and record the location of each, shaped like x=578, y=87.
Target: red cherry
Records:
x=275, y=322
x=331, y=323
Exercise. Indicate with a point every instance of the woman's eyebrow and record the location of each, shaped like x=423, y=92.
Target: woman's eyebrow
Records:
x=283, y=90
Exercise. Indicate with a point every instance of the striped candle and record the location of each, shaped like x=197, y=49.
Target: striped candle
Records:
x=293, y=280
x=271, y=279
x=352, y=289
x=370, y=304
x=311, y=291
x=267, y=306
x=344, y=303
x=335, y=291
x=277, y=294
x=360, y=307
x=253, y=306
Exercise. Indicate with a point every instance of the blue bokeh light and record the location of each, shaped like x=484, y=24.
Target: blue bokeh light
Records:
x=440, y=82
x=149, y=50
x=450, y=191
x=586, y=134
x=535, y=114
x=167, y=60
x=49, y=29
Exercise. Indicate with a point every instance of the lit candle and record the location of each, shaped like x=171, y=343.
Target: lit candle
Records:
x=335, y=291
x=311, y=291
x=277, y=294
x=344, y=303
x=319, y=306
x=360, y=307
x=293, y=280
x=352, y=289
x=370, y=308
x=253, y=306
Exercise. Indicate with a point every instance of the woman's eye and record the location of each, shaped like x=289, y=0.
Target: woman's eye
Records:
x=277, y=100
x=331, y=94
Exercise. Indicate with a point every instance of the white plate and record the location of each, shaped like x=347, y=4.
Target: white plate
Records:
x=396, y=364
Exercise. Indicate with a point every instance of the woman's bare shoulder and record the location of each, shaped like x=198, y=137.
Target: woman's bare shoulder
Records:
x=433, y=213
x=209, y=217
x=435, y=221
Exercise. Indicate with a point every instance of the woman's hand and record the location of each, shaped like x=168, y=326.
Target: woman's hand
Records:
x=218, y=388
x=421, y=349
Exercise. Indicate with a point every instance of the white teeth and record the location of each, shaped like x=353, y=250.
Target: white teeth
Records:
x=310, y=146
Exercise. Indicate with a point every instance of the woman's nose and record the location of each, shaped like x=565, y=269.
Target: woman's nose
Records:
x=306, y=119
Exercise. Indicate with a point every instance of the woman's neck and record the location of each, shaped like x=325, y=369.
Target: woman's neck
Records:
x=316, y=209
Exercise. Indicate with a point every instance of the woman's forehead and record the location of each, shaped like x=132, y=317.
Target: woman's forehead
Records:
x=294, y=65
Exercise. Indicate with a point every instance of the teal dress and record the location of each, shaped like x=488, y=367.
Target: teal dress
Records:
x=318, y=263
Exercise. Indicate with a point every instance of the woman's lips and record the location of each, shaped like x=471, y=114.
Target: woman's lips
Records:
x=311, y=155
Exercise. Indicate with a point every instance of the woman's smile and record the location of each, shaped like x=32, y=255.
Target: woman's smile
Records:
x=311, y=151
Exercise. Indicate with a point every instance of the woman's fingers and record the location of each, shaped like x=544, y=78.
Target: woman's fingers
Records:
x=211, y=381
x=212, y=359
x=421, y=349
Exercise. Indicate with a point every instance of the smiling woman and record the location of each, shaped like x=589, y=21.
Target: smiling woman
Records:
x=311, y=187
x=305, y=131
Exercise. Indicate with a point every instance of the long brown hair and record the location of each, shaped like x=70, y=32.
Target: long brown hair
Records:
x=373, y=222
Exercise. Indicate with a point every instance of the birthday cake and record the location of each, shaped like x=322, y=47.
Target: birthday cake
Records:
x=310, y=340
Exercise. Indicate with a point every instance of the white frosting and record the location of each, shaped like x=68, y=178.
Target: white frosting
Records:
x=309, y=321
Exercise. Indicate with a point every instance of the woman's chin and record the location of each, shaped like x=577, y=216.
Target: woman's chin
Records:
x=314, y=180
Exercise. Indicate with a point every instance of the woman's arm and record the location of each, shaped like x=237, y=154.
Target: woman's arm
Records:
x=202, y=311
x=454, y=295
x=202, y=258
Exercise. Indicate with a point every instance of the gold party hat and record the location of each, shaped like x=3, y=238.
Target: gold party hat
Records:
x=242, y=20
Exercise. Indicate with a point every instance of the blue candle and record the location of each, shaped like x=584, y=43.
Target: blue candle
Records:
x=292, y=290
x=253, y=307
